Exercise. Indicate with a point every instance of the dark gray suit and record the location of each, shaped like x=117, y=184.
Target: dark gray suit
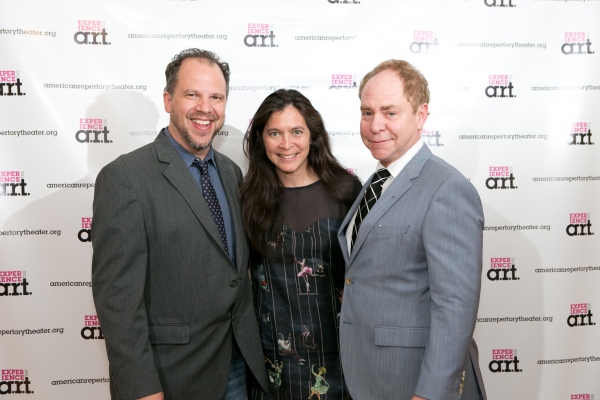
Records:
x=412, y=288
x=165, y=290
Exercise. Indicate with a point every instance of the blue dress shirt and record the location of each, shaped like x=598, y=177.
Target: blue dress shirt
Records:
x=215, y=179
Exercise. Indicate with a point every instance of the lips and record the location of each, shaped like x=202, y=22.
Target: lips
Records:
x=201, y=122
x=287, y=157
x=380, y=141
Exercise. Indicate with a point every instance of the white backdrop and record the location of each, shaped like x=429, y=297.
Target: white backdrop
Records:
x=515, y=94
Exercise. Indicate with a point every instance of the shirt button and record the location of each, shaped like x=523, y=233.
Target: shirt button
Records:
x=233, y=283
x=348, y=282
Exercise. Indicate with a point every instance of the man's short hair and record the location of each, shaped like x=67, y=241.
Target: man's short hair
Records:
x=416, y=89
x=172, y=71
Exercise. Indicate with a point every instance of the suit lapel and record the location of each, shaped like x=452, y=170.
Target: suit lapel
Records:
x=230, y=185
x=346, y=222
x=392, y=194
x=399, y=186
x=180, y=177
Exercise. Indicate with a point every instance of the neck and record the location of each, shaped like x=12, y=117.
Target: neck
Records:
x=179, y=139
x=298, y=180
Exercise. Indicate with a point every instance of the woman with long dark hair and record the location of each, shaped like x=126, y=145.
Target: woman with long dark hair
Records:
x=294, y=198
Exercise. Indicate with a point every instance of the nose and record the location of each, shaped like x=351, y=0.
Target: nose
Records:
x=286, y=142
x=203, y=105
x=377, y=123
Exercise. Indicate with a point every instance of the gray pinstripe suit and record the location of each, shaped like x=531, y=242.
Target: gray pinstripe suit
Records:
x=412, y=288
x=166, y=292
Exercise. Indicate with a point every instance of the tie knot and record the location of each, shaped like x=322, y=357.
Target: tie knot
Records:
x=380, y=176
x=201, y=165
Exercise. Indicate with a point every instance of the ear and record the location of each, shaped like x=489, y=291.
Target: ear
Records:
x=168, y=102
x=422, y=114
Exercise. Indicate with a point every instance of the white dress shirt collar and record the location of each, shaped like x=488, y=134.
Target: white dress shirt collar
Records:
x=399, y=164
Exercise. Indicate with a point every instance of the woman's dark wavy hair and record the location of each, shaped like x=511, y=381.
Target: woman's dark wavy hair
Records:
x=261, y=190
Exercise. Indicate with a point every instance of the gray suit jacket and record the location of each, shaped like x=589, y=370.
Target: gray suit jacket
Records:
x=166, y=292
x=412, y=288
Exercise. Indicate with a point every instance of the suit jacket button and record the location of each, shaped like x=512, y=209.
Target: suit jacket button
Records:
x=233, y=283
x=348, y=282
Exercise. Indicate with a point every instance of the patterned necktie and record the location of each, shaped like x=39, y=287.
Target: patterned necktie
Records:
x=211, y=199
x=371, y=196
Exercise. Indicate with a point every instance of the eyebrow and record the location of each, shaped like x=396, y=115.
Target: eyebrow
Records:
x=383, y=108
x=196, y=91
x=270, y=129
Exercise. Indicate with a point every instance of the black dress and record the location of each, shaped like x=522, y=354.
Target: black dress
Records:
x=298, y=299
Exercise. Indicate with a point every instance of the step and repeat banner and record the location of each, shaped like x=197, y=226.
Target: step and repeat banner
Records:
x=515, y=104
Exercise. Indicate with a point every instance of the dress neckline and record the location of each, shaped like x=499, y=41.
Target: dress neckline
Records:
x=303, y=187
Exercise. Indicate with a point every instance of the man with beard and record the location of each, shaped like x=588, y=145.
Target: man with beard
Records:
x=169, y=270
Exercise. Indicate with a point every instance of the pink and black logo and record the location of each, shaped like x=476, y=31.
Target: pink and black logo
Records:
x=343, y=81
x=587, y=396
x=91, y=328
x=577, y=43
x=502, y=269
x=500, y=177
x=580, y=224
x=580, y=315
x=85, y=234
x=10, y=83
x=581, y=134
x=92, y=130
x=424, y=42
x=500, y=85
x=260, y=35
x=12, y=183
x=15, y=381
x=431, y=137
x=504, y=360
x=499, y=3
x=13, y=283
x=91, y=32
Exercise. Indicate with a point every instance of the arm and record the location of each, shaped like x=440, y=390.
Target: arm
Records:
x=118, y=278
x=312, y=369
x=452, y=234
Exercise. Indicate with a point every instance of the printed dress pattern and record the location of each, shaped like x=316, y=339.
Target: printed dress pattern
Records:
x=298, y=303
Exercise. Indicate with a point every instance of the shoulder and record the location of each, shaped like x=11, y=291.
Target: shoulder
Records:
x=139, y=158
x=440, y=170
x=348, y=179
x=223, y=161
x=349, y=184
x=446, y=180
x=118, y=179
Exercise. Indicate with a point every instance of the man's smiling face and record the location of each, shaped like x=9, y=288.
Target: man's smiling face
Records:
x=197, y=105
x=388, y=124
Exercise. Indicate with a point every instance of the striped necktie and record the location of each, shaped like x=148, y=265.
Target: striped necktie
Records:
x=371, y=196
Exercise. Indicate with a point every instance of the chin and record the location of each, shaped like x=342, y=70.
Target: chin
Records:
x=287, y=170
x=378, y=156
x=200, y=145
